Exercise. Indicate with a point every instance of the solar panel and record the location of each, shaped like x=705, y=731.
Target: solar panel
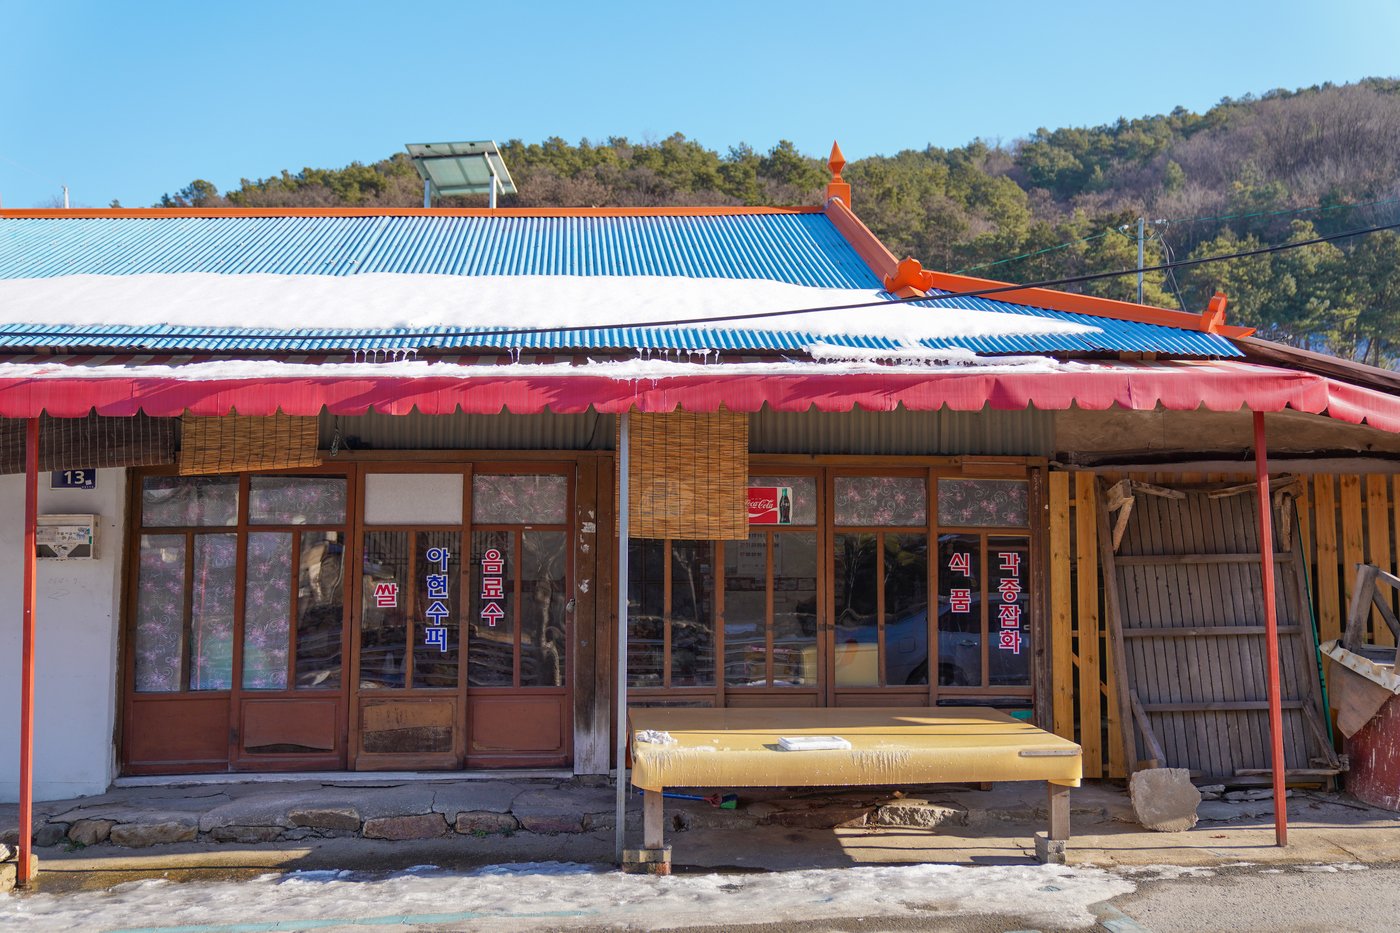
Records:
x=462, y=168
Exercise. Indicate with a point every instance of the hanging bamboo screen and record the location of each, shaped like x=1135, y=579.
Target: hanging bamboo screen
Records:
x=689, y=476
x=238, y=443
x=90, y=442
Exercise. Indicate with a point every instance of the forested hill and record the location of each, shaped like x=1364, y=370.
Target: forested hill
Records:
x=1247, y=172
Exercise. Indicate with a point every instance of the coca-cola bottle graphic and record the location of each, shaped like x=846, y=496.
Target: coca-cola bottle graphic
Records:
x=784, y=508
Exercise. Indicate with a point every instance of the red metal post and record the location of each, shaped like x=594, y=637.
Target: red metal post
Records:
x=26, y=688
x=1266, y=553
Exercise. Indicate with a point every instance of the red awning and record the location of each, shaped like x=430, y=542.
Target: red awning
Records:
x=70, y=391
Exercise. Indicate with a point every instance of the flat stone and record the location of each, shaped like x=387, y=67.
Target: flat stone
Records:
x=344, y=818
x=267, y=809
x=484, y=822
x=925, y=814
x=552, y=823
x=1222, y=811
x=50, y=834
x=1164, y=799
x=474, y=797
x=245, y=834
x=415, y=826
x=90, y=832
x=140, y=835
x=1261, y=793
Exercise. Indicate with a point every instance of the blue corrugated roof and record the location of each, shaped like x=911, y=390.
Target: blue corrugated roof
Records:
x=799, y=248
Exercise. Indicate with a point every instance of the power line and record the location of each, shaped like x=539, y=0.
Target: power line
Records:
x=1037, y=252
x=1300, y=210
x=763, y=315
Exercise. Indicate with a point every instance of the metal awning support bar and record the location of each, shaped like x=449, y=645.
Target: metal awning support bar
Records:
x=1266, y=548
x=29, y=587
x=624, y=451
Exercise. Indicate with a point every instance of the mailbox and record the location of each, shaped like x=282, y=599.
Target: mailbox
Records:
x=66, y=537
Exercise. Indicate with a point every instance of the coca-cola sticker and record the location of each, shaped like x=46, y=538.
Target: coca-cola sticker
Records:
x=770, y=505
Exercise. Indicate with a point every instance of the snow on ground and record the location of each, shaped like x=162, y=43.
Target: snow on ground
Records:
x=558, y=895
x=419, y=301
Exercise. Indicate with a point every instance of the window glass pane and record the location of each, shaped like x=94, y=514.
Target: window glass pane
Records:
x=794, y=609
x=211, y=612
x=320, y=608
x=491, y=618
x=384, y=609
x=1008, y=565
x=189, y=500
x=437, y=598
x=854, y=578
x=692, y=614
x=906, y=609
x=746, y=611
x=881, y=500
x=804, y=495
x=542, y=598
x=296, y=500
x=267, y=611
x=645, y=604
x=960, y=610
x=160, y=613
x=520, y=500
x=978, y=503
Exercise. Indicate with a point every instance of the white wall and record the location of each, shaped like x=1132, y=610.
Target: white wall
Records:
x=76, y=622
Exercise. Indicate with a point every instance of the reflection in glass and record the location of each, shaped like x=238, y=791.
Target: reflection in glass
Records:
x=646, y=645
x=267, y=611
x=437, y=563
x=320, y=609
x=794, y=609
x=296, y=500
x=160, y=613
x=170, y=501
x=854, y=579
x=384, y=609
x=491, y=648
x=520, y=499
x=906, y=609
x=1008, y=619
x=211, y=612
x=746, y=611
x=960, y=610
x=542, y=599
x=692, y=614
x=869, y=501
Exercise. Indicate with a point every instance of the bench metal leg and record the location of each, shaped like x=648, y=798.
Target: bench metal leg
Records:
x=1050, y=846
x=654, y=858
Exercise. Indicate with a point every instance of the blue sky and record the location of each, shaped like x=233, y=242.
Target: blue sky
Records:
x=131, y=99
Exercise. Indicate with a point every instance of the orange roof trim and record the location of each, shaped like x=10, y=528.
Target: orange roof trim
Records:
x=907, y=278
x=167, y=212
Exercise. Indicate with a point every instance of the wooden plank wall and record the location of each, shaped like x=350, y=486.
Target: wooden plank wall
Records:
x=1343, y=520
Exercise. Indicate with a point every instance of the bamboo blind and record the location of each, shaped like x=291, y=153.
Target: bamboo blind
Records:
x=239, y=443
x=90, y=442
x=689, y=476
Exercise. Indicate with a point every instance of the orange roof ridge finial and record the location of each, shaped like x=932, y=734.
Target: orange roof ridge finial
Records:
x=1213, y=317
x=837, y=187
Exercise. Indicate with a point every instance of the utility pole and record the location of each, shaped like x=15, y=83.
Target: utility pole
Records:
x=1141, y=224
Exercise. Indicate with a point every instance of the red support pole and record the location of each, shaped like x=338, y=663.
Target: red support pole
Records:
x=1266, y=552
x=26, y=689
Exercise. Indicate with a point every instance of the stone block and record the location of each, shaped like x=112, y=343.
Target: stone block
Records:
x=248, y=835
x=140, y=835
x=1164, y=799
x=397, y=828
x=343, y=818
x=647, y=861
x=924, y=814
x=90, y=832
x=482, y=822
x=1049, y=851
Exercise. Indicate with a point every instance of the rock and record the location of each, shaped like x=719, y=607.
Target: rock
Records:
x=552, y=823
x=50, y=834
x=90, y=832
x=140, y=835
x=8, y=852
x=245, y=834
x=1211, y=791
x=8, y=872
x=480, y=822
x=417, y=826
x=925, y=814
x=829, y=817
x=1164, y=799
x=1261, y=793
x=9, y=837
x=344, y=818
